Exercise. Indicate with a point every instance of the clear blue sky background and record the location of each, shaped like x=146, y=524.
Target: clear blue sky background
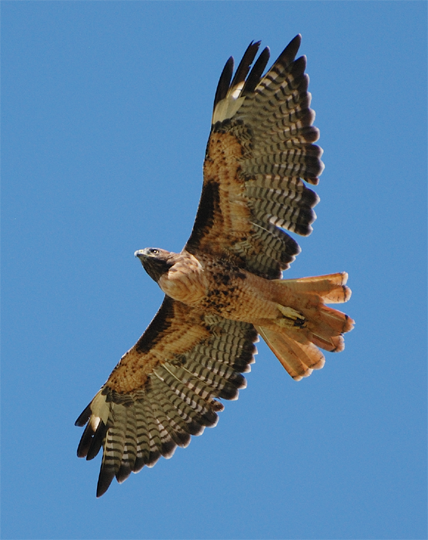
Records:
x=106, y=110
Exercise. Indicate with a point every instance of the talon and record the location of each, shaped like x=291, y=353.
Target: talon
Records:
x=293, y=317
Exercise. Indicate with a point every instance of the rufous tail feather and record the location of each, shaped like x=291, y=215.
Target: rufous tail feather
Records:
x=306, y=323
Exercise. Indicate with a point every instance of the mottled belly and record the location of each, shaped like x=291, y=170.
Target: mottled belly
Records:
x=239, y=296
x=220, y=288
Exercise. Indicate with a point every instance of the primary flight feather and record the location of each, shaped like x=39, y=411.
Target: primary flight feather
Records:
x=224, y=288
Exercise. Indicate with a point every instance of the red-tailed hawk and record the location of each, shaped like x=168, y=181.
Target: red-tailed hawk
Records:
x=224, y=288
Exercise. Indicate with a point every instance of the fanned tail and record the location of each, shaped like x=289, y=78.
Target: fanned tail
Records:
x=307, y=323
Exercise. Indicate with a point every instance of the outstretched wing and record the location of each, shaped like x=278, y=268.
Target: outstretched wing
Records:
x=163, y=390
x=259, y=150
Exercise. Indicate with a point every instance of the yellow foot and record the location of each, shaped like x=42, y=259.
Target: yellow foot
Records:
x=292, y=317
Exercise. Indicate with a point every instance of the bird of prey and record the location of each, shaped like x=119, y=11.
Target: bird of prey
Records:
x=225, y=287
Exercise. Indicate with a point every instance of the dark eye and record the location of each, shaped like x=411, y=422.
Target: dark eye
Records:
x=154, y=251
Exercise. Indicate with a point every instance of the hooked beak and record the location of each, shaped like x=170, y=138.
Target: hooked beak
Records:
x=141, y=254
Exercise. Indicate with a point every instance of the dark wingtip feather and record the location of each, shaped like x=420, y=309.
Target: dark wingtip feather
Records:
x=208, y=419
x=290, y=51
x=123, y=473
x=229, y=391
x=104, y=480
x=285, y=58
x=168, y=448
x=195, y=428
x=298, y=67
x=224, y=81
x=90, y=442
x=153, y=457
x=238, y=380
x=309, y=133
x=84, y=417
x=139, y=464
x=85, y=442
x=245, y=63
x=182, y=438
x=97, y=441
x=312, y=181
x=255, y=75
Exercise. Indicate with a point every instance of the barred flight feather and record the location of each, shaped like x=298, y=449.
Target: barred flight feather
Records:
x=160, y=438
x=187, y=394
x=278, y=247
x=182, y=428
x=270, y=118
x=196, y=419
x=171, y=433
x=142, y=437
x=178, y=397
x=148, y=439
x=129, y=454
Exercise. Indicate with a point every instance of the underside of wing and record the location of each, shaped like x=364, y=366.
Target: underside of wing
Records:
x=164, y=390
x=259, y=153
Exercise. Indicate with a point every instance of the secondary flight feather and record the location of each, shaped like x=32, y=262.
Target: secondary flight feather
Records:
x=225, y=287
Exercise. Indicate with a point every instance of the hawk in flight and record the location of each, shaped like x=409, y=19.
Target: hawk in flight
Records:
x=225, y=286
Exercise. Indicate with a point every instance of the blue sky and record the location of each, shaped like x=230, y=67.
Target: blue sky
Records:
x=106, y=111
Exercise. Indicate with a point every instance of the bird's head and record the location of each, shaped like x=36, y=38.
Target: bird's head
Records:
x=156, y=261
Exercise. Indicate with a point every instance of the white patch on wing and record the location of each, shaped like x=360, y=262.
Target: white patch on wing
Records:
x=100, y=410
x=228, y=107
